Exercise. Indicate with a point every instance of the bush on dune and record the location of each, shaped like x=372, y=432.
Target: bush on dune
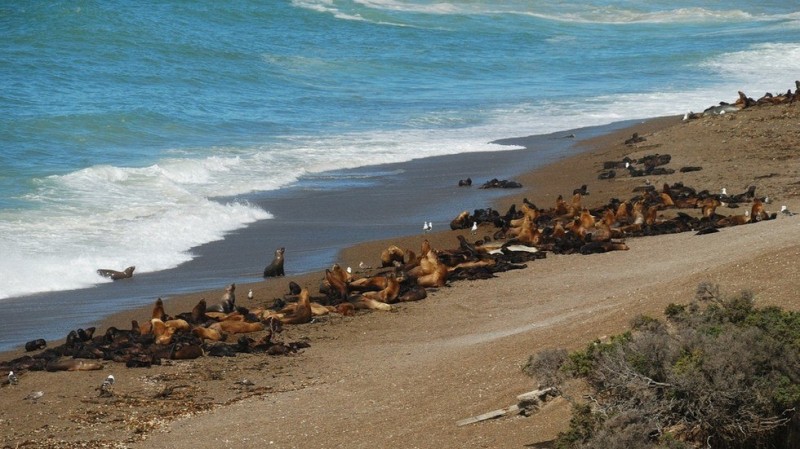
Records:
x=719, y=373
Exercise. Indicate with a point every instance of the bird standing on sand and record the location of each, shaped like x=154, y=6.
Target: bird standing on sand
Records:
x=474, y=229
x=785, y=211
x=106, y=386
x=35, y=396
x=250, y=294
x=426, y=226
x=12, y=378
x=363, y=266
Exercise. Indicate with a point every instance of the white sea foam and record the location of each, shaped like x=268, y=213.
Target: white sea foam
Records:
x=113, y=217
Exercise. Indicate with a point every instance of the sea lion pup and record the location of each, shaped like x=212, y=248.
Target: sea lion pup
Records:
x=275, y=268
x=116, y=275
x=391, y=255
x=228, y=303
x=294, y=288
x=302, y=310
x=416, y=293
x=186, y=351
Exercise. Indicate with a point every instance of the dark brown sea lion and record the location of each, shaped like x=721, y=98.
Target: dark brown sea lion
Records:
x=275, y=268
x=228, y=301
x=33, y=345
x=116, y=275
x=73, y=365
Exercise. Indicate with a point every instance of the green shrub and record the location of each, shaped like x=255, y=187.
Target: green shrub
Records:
x=722, y=374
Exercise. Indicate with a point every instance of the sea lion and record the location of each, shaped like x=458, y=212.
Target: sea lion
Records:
x=391, y=255
x=236, y=327
x=73, y=365
x=116, y=275
x=302, y=310
x=275, y=268
x=228, y=302
x=34, y=345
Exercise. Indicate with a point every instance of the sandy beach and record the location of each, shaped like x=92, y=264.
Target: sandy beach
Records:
x=404, y=378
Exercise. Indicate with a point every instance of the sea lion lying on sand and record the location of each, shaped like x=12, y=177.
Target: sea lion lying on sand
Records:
x=116, y=275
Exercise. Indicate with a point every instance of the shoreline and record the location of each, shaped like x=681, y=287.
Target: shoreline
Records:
x=414, y=373
x=304, y=223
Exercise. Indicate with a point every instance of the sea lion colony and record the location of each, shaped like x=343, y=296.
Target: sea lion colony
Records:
x=521, y=235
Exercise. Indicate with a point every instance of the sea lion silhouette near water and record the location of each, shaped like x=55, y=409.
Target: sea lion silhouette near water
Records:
x=116, y=275
x=275, y=268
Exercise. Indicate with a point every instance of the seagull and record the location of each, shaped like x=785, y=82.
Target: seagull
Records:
x=349, y=270
x=784, y=210
x=12, y=378
x=35, y=395
x=245, y=382
x=105, y=387
x=426, y=226
x=474, y=229
x=723, y=192
x=364, y=266
x=250, y=294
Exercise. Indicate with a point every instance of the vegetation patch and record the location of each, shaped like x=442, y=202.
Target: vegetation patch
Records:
x=718, y=373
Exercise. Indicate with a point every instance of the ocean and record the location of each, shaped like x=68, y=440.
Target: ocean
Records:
x=134, y=133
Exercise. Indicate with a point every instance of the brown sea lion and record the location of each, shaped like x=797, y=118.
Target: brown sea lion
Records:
x=186, y=352
x=73, y=365
x=158, y=310
x=237, y=327
x=388, y=294
x=302, y=311
x=163, y=333
x=275, y=268
x=416, y=293
x=116, y=275
x=391, y=255
x=208, y=334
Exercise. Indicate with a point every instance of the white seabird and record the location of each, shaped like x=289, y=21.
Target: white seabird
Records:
x=106, y=386
x=12, y=378
x=474, y=229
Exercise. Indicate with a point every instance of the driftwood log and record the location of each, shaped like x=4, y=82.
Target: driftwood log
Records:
x=527, y=404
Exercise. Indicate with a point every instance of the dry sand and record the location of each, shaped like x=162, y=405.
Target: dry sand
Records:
x=403, y=379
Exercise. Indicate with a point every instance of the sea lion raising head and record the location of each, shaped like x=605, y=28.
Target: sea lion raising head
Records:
x=275, y=268
x=116, y=275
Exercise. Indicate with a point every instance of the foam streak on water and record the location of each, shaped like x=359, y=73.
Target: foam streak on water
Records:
x=131, y=134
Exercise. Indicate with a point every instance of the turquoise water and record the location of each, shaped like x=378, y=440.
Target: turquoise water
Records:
x=122, y=123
